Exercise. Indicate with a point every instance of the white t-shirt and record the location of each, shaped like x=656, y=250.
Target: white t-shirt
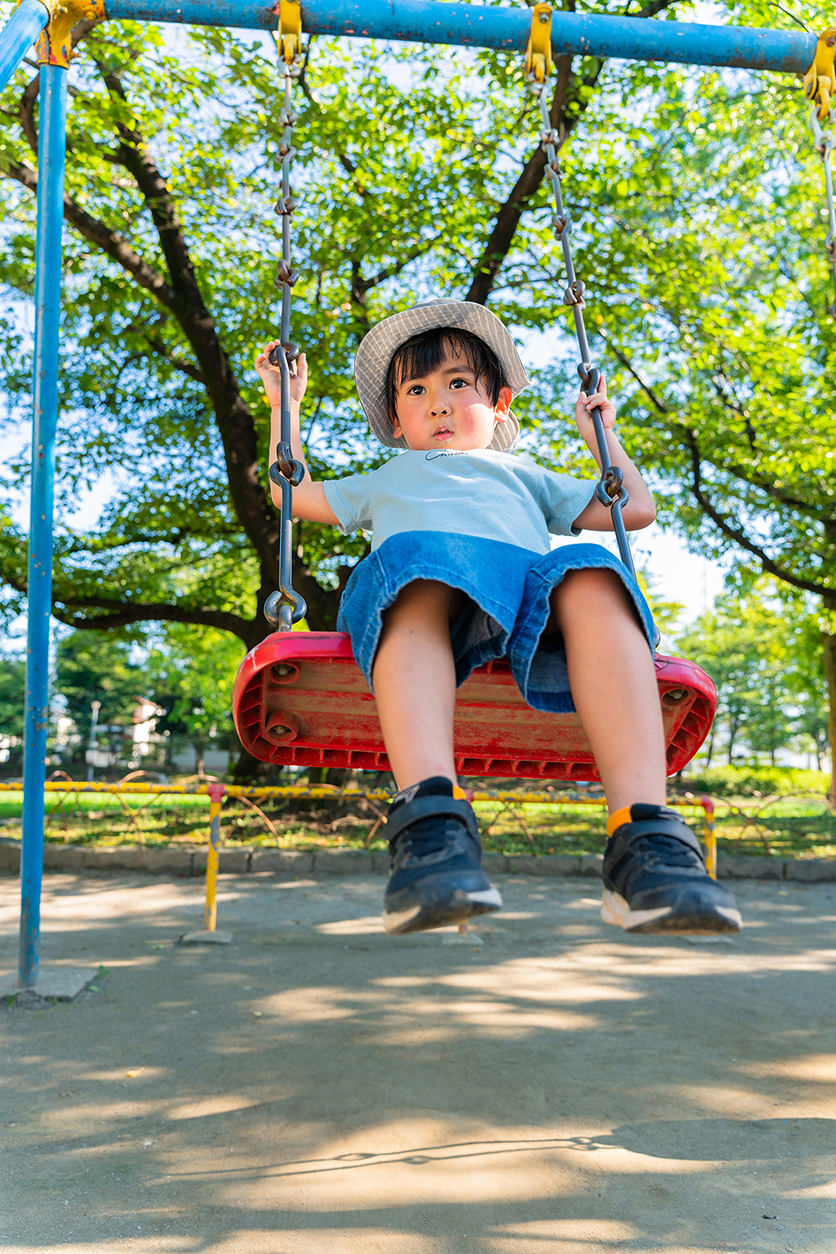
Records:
x=499, y=496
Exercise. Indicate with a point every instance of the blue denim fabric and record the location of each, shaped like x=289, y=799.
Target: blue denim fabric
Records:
x=508, y=592
x=540, y=668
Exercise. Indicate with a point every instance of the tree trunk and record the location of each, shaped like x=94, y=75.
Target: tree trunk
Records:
x=828, y=639
x=709, y=749
x=250, y=770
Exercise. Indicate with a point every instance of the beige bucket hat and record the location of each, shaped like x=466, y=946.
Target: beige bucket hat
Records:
x=371, y=365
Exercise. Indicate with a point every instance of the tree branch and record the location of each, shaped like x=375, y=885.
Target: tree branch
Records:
x=391, y=272
x=121, y=614
x=26, y=105
x=744, y=473
x=183, y=298
x=767, y=486
x=528, y=183
x=657, y=404
x=98, y=233
x=735, y=407
x=185, y=367
x=233, y=416
x=738, y=536
x=511, y=211
x=135, y=156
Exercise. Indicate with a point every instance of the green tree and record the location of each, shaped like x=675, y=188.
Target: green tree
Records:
x=12, y=695
x=703, y=225
x=189, y=675
x=725, y=349
x=756, y=645
x=415, y=170
x=418, y=173
x=98, y=666
x=666, y=614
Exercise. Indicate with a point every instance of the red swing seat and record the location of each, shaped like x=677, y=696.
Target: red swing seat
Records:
x=301, y=700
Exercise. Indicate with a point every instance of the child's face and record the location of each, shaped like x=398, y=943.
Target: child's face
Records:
x=448, y=408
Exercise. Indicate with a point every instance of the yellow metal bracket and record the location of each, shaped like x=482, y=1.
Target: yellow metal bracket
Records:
x=55, y=44
x=538, y=54
x=820, y=79
x=290, y=29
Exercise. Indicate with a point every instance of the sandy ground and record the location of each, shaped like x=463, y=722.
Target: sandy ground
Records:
x=317, y=1087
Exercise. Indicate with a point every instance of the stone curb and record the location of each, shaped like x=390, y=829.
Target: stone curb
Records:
x=182, y=861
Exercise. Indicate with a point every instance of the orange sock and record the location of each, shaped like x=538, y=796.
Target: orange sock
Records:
x=615, y=820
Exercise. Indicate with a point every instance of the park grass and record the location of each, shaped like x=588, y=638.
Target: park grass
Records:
x=791, y=827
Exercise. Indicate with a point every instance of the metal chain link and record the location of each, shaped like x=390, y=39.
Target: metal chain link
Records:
x=610, y=490
x=824, y=144
x=285, y=607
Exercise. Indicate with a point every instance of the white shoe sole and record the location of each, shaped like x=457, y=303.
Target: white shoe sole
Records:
x=465, y=905
x=616, y=910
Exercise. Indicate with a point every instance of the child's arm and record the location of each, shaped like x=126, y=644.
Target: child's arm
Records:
x=309, y=500
x=640, y=510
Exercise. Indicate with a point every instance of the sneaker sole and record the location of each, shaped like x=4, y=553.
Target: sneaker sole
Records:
x=424, y=916
x=692, y=921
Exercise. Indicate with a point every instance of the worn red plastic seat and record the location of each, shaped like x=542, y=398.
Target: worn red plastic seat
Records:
x=301, y=700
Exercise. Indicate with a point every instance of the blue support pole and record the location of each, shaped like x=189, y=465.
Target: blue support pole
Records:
x=483, y=26
x=51, y=158
x=17, y=36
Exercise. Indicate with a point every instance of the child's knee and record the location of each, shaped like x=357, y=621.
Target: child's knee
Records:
x=590, y=581
x=591, y=590
x=425, y=599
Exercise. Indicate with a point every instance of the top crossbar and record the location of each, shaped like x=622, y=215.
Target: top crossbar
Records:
x=463, y=25
x=479, y=26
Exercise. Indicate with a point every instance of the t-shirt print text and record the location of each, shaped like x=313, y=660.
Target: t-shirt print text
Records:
x=443, y=452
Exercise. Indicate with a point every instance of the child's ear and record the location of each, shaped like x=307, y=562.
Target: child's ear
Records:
x=503, y=404
x=397, y=429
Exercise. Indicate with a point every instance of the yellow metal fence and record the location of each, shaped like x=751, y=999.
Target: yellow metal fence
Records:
x=216, y=793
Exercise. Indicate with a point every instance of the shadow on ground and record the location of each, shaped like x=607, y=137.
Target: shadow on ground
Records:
x=319, y=1087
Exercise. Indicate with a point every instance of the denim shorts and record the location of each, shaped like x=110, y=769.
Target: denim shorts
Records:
x=508, y=591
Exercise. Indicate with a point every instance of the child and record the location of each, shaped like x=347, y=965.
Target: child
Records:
x=461, y=572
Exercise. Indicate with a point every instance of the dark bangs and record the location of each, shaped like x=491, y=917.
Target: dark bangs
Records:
x=425, y=352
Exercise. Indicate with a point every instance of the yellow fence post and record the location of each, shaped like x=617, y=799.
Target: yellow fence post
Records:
x=209, y=935
x=210, y=912
x=710, y=836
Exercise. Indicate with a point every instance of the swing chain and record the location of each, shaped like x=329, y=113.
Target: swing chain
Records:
x=610, y=490
x=824, y=143
x=285, y=607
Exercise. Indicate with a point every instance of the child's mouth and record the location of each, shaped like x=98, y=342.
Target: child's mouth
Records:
x=443, y=433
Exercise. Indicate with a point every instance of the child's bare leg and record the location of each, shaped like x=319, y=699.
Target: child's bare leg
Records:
x=414, y=682
x=655, y=879
x=436, y=876
x=613, y=684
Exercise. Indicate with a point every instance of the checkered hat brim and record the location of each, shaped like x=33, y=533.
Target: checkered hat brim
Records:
x=371, y=365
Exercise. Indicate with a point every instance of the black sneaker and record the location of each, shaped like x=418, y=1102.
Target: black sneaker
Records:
x=434, y=849
x=655, y=879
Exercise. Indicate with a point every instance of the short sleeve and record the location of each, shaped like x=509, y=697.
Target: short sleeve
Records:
x=563, y=498
x=351, y=501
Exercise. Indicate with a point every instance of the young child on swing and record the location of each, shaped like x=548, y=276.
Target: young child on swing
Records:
x=461, y=572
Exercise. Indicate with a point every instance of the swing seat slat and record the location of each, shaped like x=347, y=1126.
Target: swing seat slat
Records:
x=301, y=700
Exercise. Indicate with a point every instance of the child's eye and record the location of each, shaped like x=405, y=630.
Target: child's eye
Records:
x=417, y=389
x=459, y=383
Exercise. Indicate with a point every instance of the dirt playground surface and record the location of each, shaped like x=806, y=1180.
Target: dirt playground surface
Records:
x=317, y=1088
